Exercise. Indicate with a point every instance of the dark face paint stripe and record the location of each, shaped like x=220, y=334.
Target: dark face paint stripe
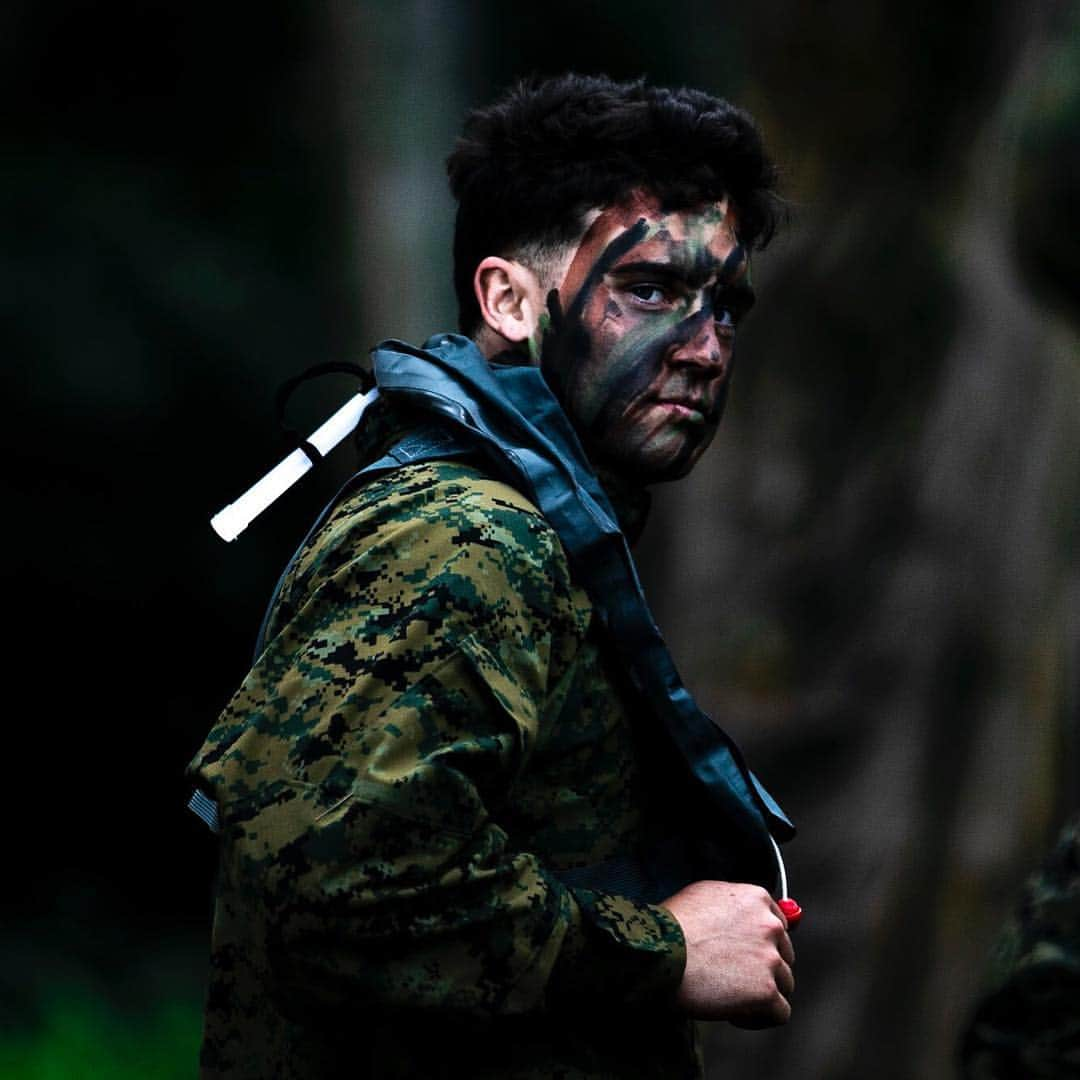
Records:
x=641, y=376
x=567, y=341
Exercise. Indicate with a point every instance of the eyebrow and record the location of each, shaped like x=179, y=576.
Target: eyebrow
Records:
x=676, y=270
x=679, y=270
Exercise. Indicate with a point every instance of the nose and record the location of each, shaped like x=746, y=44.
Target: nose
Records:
x=703, y=346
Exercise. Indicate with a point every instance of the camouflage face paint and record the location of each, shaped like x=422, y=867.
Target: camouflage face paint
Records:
x=641, y=333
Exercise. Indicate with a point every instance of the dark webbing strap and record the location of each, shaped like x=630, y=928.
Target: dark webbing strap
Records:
x=534, y=438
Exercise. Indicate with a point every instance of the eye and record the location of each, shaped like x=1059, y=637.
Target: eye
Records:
x=647, y=293
x=730, y=305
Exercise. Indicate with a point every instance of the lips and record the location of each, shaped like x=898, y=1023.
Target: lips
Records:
x=697, y=404
x=685, y=408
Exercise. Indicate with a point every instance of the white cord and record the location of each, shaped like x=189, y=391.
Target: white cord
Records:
x=780, y=863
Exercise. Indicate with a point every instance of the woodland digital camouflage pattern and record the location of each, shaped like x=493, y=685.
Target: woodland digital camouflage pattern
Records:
x=1029, y=1027
x=431, y=734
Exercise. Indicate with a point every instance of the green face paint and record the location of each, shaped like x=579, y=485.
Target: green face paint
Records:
x=641, y=354
x=535, y=342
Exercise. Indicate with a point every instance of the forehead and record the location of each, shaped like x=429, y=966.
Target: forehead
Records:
x=706, y=232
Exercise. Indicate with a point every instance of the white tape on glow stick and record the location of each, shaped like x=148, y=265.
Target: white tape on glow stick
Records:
x=342, y=423
x=231, y=521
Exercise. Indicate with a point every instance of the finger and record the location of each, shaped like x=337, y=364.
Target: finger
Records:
x=782, y=1011
x=785, y=980
x=786, y=949
x=778, y=1011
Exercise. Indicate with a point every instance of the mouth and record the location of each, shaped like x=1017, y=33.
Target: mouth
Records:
x=690, y=409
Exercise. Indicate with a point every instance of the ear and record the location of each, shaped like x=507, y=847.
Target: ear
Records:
x=510, y=298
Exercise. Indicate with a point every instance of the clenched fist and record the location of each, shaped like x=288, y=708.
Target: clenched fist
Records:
x=738, y=954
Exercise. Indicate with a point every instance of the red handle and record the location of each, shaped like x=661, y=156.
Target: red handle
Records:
x=792, y=911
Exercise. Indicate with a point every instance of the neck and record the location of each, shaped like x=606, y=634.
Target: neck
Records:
x=630, y=499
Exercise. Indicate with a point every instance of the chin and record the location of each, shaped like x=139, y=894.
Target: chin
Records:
x=672, y=459
x=654, y=466
x=675, y=470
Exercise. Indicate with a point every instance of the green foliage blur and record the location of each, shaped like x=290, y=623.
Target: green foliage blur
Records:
x=80, y=1036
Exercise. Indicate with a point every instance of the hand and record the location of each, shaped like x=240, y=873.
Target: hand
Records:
x=738, y=954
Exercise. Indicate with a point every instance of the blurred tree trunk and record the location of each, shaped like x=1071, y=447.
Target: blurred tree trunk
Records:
x=402, y=70
x=882, y=523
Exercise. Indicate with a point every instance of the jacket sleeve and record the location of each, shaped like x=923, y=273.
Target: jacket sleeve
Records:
x=371, y=748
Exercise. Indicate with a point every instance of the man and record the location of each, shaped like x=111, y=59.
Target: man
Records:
x=449, y=798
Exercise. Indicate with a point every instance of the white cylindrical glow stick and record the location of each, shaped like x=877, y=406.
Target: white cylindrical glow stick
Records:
x=231, y=521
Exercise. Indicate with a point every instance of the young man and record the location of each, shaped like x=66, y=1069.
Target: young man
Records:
x=461, y=789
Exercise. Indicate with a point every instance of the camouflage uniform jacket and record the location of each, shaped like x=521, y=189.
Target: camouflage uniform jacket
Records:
x=433, y=731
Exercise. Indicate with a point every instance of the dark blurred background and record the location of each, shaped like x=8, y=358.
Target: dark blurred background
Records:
x=872, y=580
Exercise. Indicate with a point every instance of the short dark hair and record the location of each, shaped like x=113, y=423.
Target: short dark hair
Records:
x=527, y=167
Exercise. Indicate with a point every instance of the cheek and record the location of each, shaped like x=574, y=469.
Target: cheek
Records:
x=597, y=366
x=620, y=367
x=634, y=360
